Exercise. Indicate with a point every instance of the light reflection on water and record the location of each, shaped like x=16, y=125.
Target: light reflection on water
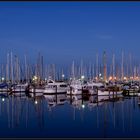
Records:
x=39, y=117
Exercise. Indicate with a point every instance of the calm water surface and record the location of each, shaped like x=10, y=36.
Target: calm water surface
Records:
x=35, y=117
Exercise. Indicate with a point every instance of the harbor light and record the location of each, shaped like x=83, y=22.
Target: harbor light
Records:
x=110, y=78
x=35, y=77
x=3, y=99
x=83, y=106
x=100, y=74
x=124, y=78
x=2, y=78
x=36, y=102
x=82, y=77
x=63, y=75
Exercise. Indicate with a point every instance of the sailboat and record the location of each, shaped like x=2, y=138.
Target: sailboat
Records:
x=75, y=86
x=19, y=89
x=53, y=87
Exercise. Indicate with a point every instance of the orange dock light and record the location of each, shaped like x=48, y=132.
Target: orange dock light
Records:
x=110, y=78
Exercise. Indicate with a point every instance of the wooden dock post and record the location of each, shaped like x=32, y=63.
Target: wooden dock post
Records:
x=56, y=89
x=56, y=98
x=56, y=93
x=82, y=95
x=116, y=91
x=34, y=91
x=109, y=93
x=97, y=96
x=70, y=95
x=113, y=93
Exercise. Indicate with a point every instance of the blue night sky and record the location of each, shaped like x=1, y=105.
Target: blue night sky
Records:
x=66, y=31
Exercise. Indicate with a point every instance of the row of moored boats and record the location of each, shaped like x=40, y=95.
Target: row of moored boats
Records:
x=73, y=87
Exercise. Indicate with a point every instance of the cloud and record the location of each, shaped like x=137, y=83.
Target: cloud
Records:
x=104, y=37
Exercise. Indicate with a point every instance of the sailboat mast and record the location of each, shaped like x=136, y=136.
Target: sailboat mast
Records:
x=12, y=68
x=134, y=72
x=73, y=73
x=17, y=70
x=97, y=65
x=127, y=69
x=130, y=58
x=81, y=67
x=7, y=68
x=26, y=77
x=122, y=74
x=53, y=67
x=113, y=66
x=93, y=66
x=42, y=67
x=104, y=63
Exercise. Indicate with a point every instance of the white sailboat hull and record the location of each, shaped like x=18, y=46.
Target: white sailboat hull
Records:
x=4, y=89
x=36, y=92
x=77, y=92
x=51, y=90
x=19, y=90
x=106, y=93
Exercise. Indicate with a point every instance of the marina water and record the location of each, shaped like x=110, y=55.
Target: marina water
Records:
x=34, y=117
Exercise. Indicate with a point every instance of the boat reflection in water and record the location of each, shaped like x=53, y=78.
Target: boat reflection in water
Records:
x=77, y=116
x=55, y=99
